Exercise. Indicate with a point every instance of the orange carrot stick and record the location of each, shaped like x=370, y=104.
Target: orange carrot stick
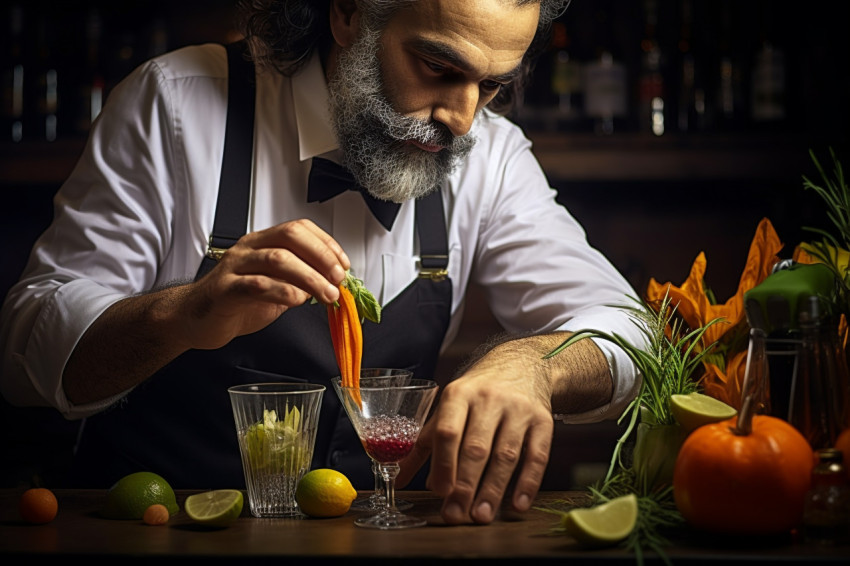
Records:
x=347, y=337
x=353, y=333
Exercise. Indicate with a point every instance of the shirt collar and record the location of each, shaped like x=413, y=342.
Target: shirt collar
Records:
x=310, y=96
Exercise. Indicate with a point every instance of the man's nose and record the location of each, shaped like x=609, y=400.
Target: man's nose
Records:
x=457, y=108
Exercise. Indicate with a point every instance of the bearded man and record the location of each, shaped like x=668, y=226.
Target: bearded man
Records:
x=202, y=220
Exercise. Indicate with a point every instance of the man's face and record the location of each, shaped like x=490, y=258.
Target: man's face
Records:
x=404, y=98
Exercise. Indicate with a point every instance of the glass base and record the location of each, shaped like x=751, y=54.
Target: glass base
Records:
x=386, y=520
x=377, y=503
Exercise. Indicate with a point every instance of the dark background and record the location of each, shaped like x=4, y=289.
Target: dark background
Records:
x=650, y=203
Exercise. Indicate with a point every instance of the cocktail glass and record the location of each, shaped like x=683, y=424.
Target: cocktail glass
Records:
x=377, y=500
x=276, y=426
x=387, y=418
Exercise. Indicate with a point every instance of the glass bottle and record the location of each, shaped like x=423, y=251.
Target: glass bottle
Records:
x=606, y=92
x=566, y=76
x=820, y=389
x=826, y=515
x=651, y=107
x=13, y=76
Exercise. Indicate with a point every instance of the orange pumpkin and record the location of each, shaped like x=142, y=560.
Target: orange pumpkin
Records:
x=732, y=482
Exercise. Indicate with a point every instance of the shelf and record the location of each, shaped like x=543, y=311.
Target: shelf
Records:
x=638, y=157
x=38, y=163
x=565, y=157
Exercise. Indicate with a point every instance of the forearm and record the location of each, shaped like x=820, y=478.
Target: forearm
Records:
x=128, y=343
x=574, y=381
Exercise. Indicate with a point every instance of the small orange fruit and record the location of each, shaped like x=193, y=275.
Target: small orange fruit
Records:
x=38, y=506
x=156, y=514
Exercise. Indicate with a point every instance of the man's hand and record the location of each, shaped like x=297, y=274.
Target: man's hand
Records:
x=261, y=276
x=494, y=424
x=257, y=279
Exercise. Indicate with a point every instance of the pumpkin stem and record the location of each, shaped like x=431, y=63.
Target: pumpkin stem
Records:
x=755, y=383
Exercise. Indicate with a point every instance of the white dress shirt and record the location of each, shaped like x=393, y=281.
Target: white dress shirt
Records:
x=137, y=212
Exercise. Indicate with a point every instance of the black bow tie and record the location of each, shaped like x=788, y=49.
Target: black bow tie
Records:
x=328, y=179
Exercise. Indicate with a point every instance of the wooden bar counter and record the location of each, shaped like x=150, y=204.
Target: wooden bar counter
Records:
x=79, y=533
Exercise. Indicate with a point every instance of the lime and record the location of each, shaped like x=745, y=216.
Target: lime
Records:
x=130, y=496
x=696, y=409
x=216, y=508
x=324, y=493
x=605, y=524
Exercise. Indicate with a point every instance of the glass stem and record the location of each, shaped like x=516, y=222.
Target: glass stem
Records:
x=389, y=473
x=379, y=481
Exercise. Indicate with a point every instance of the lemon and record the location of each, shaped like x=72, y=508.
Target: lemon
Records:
x=696, y=409
x=324, y=493
x=606, y=524
x=216, y=508
x=130, y=496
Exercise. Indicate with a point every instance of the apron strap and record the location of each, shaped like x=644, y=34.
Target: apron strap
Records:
x=433, y=238
x=234, y=189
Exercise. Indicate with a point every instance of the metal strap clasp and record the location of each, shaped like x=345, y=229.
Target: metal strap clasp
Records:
x=214, y=252
x=438, y=273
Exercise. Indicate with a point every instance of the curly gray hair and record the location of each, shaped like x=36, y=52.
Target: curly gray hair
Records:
x=285, y=33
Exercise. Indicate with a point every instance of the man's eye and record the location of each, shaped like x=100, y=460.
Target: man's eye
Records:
x=491, y=86
x=435, y=67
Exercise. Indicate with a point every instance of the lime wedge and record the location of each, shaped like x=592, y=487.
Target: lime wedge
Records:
x=696, y=409
x=217, y=508
x=605, y=524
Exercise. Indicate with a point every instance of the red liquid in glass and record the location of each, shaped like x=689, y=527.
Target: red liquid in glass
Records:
x=389, y=439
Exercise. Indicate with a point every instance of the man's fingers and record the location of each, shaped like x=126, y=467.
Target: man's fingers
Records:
x=504, y=458
x=309, y=242
x=534, y=462
x=447, y=431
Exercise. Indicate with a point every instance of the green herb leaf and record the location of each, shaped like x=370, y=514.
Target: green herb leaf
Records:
x=367, y=306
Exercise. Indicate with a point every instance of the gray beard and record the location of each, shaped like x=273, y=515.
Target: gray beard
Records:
x=372, y=134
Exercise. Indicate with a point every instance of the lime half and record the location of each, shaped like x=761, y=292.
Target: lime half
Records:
x=605, y=524
x=216, y=508
x=693, y=410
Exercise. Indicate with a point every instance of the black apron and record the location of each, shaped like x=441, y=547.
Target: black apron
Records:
x=179, y=422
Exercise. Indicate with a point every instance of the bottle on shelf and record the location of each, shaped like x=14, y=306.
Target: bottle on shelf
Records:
x=691, y=106
x=46, y=97
x=768, y=78
x=91, y=89
x=651, y=92
x=767, y=101
x=566, y=77
x=606, y=92
x=13, y=76
x=729, y=103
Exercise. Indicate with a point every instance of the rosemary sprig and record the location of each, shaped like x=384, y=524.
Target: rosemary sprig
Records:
x=836, y=194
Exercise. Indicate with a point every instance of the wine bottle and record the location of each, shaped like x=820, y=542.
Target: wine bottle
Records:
x=92, y=86
x=45, y=115
x=651, y=95
x=13, y=77
x=606, y=92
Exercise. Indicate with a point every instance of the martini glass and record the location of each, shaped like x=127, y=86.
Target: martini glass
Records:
x=377, y=500
x=388, y=418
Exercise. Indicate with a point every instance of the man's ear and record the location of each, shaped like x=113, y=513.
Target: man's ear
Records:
x=345, y=21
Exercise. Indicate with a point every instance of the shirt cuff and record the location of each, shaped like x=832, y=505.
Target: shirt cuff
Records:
x=65, y=317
